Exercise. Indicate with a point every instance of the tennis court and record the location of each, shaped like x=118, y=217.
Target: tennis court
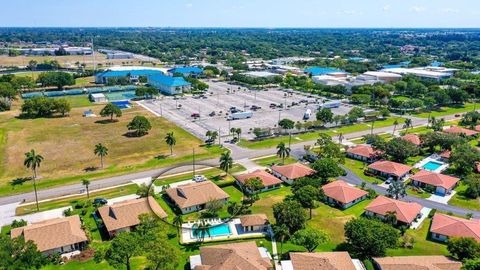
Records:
x=127, y=95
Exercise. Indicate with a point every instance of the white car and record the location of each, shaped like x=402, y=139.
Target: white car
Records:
x=199, y=178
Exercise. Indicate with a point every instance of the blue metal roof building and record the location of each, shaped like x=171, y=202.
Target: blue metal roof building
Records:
x=315, y=71
x=186, y=71
x=103, y=77
x=169, y=85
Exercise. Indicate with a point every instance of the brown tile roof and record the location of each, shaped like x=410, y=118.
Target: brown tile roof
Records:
x=435, y=179
x=477, y=128
x=53, y=233
x=293, y=171
x=364, y=151
x=460, y=130
x=322, y=261
x=237, y=256
x=413, y=138
x=196, y=194
x=455, y=227
x=254, y=220
x=125, y=214
x=418, y=263
x=267, y=179
x=446, y=154
x=390, y=167
x=342, y=192
x=405, y=211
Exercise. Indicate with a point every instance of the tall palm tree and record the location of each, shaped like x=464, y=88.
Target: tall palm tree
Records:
x=233, y=131
x=201, y=229
x=226, y=161
x=408, y=124
x=101, y=151
x=171, y=141
x=281, y=233
x=395, y=124
x=33, y=161
x=238, y=131
x=86, y=183
x=340, y=137
x=283, y=151
x=178, y=221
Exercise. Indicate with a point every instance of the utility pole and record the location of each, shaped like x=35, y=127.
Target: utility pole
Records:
x=193, y=162
x=219, y=137
x=93, y=56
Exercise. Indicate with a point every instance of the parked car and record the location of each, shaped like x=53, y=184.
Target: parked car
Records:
x=199, y=178
x=100, y=201
x=212, y=114
x=195, y=115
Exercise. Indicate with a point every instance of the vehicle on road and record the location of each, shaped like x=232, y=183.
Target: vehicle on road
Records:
x=199, y=178
x=240, y=115
x=195, y=115
x=307, y=114
x=99, y=201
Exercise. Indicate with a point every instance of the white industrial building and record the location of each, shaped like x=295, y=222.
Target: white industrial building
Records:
x=344, y=79
x=259, y=74
x=436, y=73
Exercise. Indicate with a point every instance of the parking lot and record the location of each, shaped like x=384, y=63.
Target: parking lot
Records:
x=214, y=108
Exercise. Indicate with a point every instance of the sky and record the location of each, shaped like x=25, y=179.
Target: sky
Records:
x=241, y=13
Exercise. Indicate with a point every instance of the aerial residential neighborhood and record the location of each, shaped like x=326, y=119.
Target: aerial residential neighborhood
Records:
x=248, y=135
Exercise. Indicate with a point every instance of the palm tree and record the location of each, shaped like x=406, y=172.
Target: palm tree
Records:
x=178, y=221
x=226, y=161
x=281, y=233
x=397, y=189
x=283, y=151
x=33, y=161
x=101, y=151
x=86, y=183
x=200, y=230
x=233, y=131
x=238, y=131
x=408, y=124
x=395, y=124
x=340, y=138
x=171, y=141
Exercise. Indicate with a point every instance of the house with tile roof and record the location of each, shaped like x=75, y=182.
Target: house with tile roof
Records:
x=196, y=196
x=460, y=131
x=254, y=222
x=406, y=212
x=269, y=181
x=445, y=155
x=441, y=183
x=320, y=261
x=389, y=169
x=289, y=173
x=364, y=153
x=169, y=85
x=413, y=138
x=417, y=263
x=238, y=256
x=342, y=194
x=445, y=226
x=124, y=216
x=59, y=235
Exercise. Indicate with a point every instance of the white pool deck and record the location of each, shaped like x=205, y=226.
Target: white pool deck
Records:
x=433, y=158
x=234, y=225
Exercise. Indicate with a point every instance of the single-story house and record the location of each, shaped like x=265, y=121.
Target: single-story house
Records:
x=291, y=172
x=319, y=261
x=124, y=216
x=406, y=212
x=196, y=196
x=387, y=169
x=186, y=71
x=342, y=194
x=169, y=85
x=443, y=184
x=238, y=256
x=444, y=227
x=434, y=262
x=413, y=138
x=269, y=181
x=445, y=155
x=254, y=222
x=459, y=130
x=58, y=235
x=364, y=153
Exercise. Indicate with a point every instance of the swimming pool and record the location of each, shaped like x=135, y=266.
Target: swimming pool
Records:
x=432, y=165
x=216, y=230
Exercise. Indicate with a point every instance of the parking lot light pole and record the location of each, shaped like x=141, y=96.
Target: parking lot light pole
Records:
x=193, y=162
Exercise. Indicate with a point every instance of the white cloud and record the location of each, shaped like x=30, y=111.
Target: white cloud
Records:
x=189, y=5
x=450, y=10
x=386, y=8
x=417, y=9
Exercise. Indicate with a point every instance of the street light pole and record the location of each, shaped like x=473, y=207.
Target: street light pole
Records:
x=193, y=162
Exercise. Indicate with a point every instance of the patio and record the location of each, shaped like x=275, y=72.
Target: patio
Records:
x=426, y=164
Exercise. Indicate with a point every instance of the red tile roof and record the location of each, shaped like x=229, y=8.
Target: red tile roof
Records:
x=406, y=212
x=390, y=167
x=446, y=154
x=364, y=151
x=342, y=192
x=455, y=227
x=293, y=171
x=460, y=130
x=435, y=179
x=267, y=179
x=413, y=138
x=477, y=128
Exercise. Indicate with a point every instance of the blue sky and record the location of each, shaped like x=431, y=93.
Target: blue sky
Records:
x=242, y=13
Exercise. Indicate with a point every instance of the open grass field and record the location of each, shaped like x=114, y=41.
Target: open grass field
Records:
x=267, y=161
x=67, y=146
x=448, y=111
x=267, y=143
x=386, y=136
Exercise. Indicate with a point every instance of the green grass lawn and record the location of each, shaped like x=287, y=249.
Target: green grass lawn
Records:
x=272, y=142
x=461, y=200
x=268, y=161
x=358, y=168
x=412, y=192
x=386, y=136
x=448, y=111
x=216, y=175
x=79, y=101
x=137, y=263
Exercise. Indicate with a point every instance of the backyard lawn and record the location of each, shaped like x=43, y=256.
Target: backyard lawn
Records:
x=358, y=168
x=385, y=136
x=461, y=200
x=267, y=161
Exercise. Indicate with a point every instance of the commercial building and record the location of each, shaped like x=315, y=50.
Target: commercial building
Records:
x=434, y=73
x=289, y=173
x=321, y=261
x=259, y=74
x=169, y=85
x=385, y=77
x=416, y=262
x=441, y=183
x=114, y=54
x=132, y=73
x=124, y=216
x=269, y=181
x=348, y=81
x=316, y=71
x=196, y=196
x=186, y=71
x=342, y=194
x=59, y=235
x=405, y=212
x=290, y=60
x=443, y=227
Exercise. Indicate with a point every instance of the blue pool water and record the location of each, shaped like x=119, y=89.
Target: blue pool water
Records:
x=432, y=165
x=125, y=104
x=217, y=230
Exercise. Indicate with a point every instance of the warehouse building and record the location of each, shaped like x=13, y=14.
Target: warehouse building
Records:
x=132, y=73
x=169, y=85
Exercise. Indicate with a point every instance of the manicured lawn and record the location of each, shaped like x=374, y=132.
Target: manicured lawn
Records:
x=106, y=194
x=80, y=101
x=386, y=136
x=358, y=168
x=267, y=161
x=216, y=175
x=448, y=111
x=314, y=135
x=461, y=200
x=412, y=192
x=413, y=160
